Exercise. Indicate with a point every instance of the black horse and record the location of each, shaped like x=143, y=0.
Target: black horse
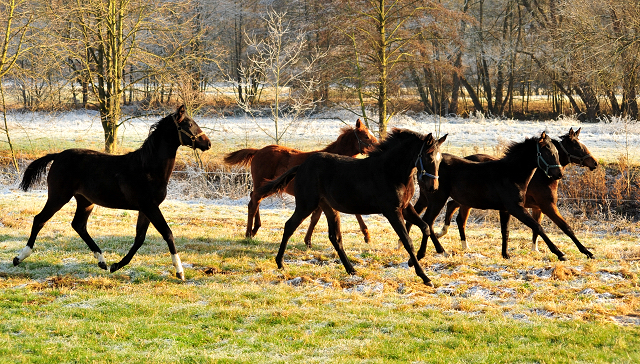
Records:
x=542, y=191
x=497, y=185
x=134, y=181
x=381, y=183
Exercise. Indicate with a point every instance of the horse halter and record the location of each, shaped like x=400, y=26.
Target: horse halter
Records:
x=579, y=159
x=548, y=166
x=361, y=143
x=422, y=172
x=187, y=133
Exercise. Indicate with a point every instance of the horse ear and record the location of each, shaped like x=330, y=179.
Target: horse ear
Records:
x=578, y=132
x=441, y=140
x=571, y=132
x=180, y=112
x=359, y=124
x=542, y=137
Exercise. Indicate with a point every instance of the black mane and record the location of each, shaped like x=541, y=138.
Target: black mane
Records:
x=396, y=138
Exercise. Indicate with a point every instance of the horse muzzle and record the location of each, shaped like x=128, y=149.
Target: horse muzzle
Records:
x=555, y=173
x=203, y=143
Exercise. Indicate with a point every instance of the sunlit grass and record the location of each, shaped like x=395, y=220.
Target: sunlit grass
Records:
x=236, y=306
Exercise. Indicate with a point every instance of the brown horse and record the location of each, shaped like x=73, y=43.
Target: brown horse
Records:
x=542, y=192
x=497, y=185
x=134, y=181
x=380, y=184
x=273, y=160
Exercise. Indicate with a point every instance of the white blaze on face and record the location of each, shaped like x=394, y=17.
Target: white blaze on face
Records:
x=177, y=263
x=438, y=157
x=99, y=257
x=24, y=253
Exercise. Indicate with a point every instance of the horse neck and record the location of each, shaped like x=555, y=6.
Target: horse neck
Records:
x=564, y=157
x=342, y=146
x=521, y=168
x=158, y=156
x=398, y=163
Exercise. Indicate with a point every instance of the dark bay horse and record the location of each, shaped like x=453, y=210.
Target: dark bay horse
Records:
x=381, y=183
x=134, y=181
x=542, y=191
x=273, y=160
x=497, y=185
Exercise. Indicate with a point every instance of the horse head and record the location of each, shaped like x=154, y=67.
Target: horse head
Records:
x=366, y=140
x=195, y=137
x=547, y=157
x=428, y=162
x=575, y=151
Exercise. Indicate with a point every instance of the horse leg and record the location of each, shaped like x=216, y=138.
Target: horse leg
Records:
x=461, y=220
x=452, y=206
x=420, y=205
x=536, y=213
x=435, y=205
x=551, y=210
x=315, y=216
x=299, y=214
x=141, y=232
x=521, y=214
x=504, y=229
x=253, y=213
x=79, y=224
x=396, y=220
x=364, y=229
x=333, y=225
x=53, y=205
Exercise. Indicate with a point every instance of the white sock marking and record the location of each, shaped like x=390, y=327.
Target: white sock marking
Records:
x=99, y=257
x=24, y=253
x=464, y=245
x=177, y=263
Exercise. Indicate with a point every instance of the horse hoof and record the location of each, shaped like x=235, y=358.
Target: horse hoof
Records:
x=308, y=244
x=180, y=276
x=102, y=265
x=428, y=284
x=114, y=267
x=562, y=258
x=16, y=261
x=506, y=256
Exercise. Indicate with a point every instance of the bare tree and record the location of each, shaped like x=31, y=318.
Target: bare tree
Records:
x=277, y=64
x=15, y=19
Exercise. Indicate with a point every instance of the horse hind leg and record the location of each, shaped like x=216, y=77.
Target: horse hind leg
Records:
x=253, y=215
x=536, y=213
x=461, y=220
x=452, y=206
x=52, y=206
x=364, y=229
x=79, y=224
x=333, y=226
x=315, y=216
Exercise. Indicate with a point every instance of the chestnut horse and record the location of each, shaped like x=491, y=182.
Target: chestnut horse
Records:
x=273, y=160
x=497, y=185
x=134, y=181
x=380, y=184
x=542, y=191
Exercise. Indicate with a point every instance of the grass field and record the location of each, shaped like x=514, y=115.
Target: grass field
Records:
x=236, y=306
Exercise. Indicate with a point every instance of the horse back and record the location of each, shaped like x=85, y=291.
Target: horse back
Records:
x=115, y=181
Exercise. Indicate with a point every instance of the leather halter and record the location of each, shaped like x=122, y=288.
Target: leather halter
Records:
x=188, y=134
x=361, y=143
x=548, y=166
x=422, y=173
x=580, y=159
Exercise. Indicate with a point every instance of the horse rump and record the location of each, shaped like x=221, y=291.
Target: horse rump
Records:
x=35, y=170
x=242, y=156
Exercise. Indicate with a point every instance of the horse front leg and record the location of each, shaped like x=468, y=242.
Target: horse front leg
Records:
x=335, y=236
x=521, y=214
x=551, y=210
x=396, y=220
x=461, y=220
x=289, y=228
x=504, y=229
x=141, y=232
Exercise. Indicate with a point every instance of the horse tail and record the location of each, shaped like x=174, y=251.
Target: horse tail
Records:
x=35, y=170
x=242, y=156
x=279, y=184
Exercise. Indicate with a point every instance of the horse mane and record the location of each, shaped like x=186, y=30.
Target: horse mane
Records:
x=397, y=137
x=515, y=150
x=345, y=132
x=146, y=152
